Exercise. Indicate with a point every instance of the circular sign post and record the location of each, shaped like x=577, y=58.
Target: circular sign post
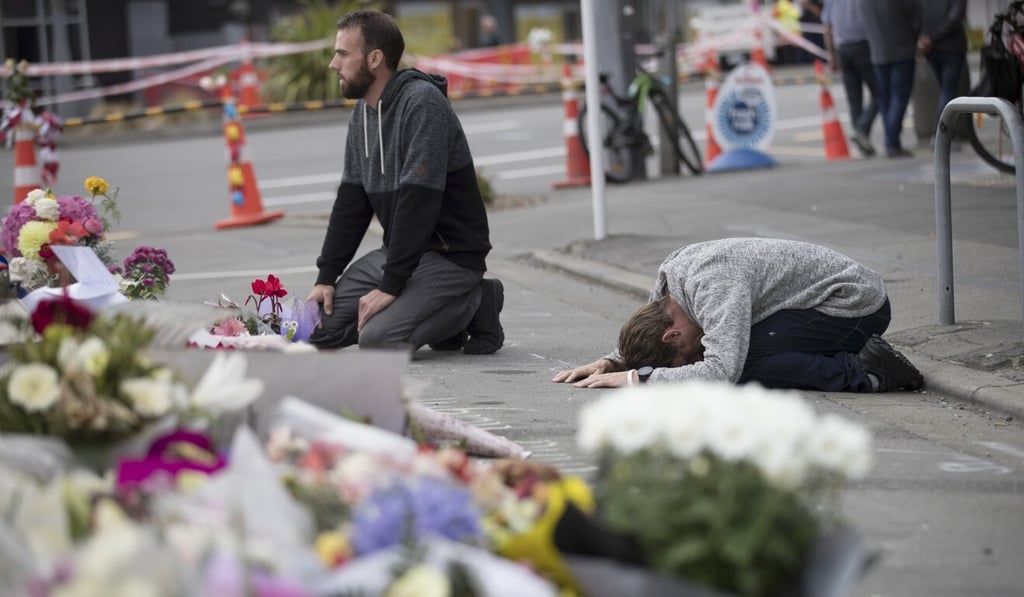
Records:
x=743, y=119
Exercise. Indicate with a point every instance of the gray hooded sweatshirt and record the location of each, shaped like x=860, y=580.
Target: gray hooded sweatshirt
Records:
x=726, y=286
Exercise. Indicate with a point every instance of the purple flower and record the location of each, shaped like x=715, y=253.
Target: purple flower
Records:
x=16, y=218
x=147, y=282
x=431, y=506
x=76, y=208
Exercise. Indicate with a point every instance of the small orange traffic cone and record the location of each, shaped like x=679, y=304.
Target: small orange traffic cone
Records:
x=248, y=80
x=711, y=83
x=27, y=176
x=835, y=141
x=757, y=53
x=577, y=166
x=246, y=205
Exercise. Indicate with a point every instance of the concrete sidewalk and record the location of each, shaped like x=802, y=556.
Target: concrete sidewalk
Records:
x=977, y=360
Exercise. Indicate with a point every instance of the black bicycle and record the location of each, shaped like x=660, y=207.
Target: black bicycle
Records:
x=1001, y=76
x=622, y=129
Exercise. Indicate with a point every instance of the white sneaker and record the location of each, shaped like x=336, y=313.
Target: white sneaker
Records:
x=863, y=143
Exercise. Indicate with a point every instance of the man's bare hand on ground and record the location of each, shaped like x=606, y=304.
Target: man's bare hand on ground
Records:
x=615, y=379
x=323, y=294
x=372, y=303
x=585, y=371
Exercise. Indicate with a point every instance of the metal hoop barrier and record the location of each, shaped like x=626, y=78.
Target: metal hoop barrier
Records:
x=943, y=217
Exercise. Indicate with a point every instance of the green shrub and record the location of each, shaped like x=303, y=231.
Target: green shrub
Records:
x=486, y=188
x=305, y=76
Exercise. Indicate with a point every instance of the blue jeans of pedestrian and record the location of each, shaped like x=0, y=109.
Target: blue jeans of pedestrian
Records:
x=807, y=349
x=895, y=82
x=858, y=73
x=948, y=68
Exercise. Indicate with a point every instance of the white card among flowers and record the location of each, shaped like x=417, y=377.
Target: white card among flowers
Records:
x=95, y=286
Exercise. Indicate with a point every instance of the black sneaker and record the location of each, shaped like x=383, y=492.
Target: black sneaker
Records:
x=486, y=335
x=893, y=370
x=454, y=343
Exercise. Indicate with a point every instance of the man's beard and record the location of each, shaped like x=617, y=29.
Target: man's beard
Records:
x=357, y=86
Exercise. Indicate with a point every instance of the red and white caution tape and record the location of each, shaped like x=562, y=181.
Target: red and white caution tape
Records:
x=136, y=85
x=227, y=53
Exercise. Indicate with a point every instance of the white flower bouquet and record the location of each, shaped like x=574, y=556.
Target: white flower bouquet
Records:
x=728, y=487
x=88, y=380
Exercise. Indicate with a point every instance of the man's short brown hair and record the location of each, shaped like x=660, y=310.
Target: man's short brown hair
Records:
x=380, y=32
x=640, y=337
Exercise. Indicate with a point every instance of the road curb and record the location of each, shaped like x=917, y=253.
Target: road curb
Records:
x=975, y=387
x=602, y=273
x=979, y=388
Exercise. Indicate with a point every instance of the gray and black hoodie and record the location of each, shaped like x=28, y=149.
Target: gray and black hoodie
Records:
x=407, y=161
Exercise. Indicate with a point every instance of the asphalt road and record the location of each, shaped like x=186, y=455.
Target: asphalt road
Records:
x=943, y=504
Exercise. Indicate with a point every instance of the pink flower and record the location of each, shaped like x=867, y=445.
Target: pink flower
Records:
x=232, y=326
x=94, y=226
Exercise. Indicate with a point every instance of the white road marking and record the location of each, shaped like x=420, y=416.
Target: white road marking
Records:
x=259, y=273
x=1004, y=448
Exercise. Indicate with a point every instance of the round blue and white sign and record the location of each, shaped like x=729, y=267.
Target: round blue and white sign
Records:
x=743, y=115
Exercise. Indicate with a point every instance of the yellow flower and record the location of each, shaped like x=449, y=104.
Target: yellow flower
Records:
x=34, y=386
x=333, y=548
x=537, y=545
x=33, y=235
x=96, y=185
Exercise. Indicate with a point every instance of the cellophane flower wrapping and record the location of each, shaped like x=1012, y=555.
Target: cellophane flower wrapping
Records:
x=727, y=486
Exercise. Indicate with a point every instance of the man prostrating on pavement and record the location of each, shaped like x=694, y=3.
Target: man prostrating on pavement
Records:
x=408, y=163
x=785, y=314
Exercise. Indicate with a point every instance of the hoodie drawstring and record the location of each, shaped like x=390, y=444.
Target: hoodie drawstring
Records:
x=380, y=132
x=380, y=135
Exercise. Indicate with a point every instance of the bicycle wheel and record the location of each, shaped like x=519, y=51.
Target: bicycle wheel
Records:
x=618, y=167
x=678, y=133
x=991, y=140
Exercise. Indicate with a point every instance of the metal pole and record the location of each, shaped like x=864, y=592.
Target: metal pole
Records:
x=943, y=217
x=667, y=39
x=593, y=94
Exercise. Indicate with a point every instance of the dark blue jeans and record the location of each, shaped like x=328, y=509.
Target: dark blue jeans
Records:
x=895, y=82
x=948, y=67
x=808, y=350
x=855, y=66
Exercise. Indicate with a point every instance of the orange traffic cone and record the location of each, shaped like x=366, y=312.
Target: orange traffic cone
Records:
x=248, y=80
x=711, y=82
x=26, y=169
x=757, y=53
x=246, y=205
x=835, y=141
x=577, y=166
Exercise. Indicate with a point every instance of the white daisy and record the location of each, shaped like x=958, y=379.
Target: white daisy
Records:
x=34, y=386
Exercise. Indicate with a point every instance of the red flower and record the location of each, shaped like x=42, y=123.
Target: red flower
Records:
x=274, y=287
x=62, y=309
x=68, y=233
x=259, y=287
x=46, y=252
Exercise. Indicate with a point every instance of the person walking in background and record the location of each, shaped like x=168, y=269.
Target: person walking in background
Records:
x=849, y=52
x=407, y=162
x=488, y=36
x=943, y=43
x=810, y=14
x=892, y=27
